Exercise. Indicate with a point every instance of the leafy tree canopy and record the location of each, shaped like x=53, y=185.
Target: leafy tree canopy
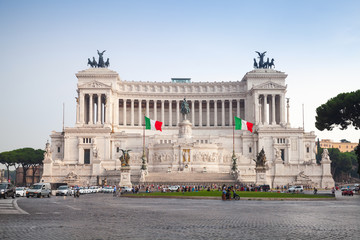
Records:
x=342, y=110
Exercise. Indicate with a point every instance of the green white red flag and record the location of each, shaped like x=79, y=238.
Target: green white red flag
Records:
x=241, y=124
x=152, y=124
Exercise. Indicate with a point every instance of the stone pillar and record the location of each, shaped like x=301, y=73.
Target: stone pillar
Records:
x=288, y=113
x=273, y=109
x=155, y=110
x=208, y=113
x=162, y=111
x=139, y=112
x=82, y=107
x=116, y=112
x=99, y=109
x=282, y=108
x=91, y=108
x=266, y=109
x=238, y=108
x=170, y=113
x=147, y=108
x=132, y=114
x=200, y=113
x=125, y=174
x=177, y=112
x=124, y=111
x=215, y=113
x=107, y=115
x=193, y=112
x=223, y=113
x=230, y=112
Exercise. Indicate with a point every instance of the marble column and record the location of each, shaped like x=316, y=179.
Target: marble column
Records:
x=238, y=108
x=215, y=114
x=147, y=108
x=223, y=113
x=200, y=113
x=91, y=108
x=139, y=112
x=162, y=111
x=193, y=112
x=266, y=109
x=124, y=111
x=155, y=110
x=82, y=107
x=230, y=112
x=107, y=110
x=208, y=113
x=99, y=110
x=170, y=113
x=117, y=112
x=273, y=109
x=177, y=112
x=132, y=115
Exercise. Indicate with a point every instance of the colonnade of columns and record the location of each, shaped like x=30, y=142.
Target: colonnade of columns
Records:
x=92, y=109
x=203, y=113
x=271, y=108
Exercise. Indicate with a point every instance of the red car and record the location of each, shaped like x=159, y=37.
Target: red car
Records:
x=347, y=192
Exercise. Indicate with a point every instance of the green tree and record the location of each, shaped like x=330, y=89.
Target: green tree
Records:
x=342, y=110
x=357, y=152
x=8, y=160
x=26, y=157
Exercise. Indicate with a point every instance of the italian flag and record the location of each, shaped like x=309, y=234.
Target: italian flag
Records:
x=152, y=124
x=243, y=125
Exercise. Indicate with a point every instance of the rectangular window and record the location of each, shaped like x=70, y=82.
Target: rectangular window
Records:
x=250, y=149
x=86, y=156
x=58, y=149
x=283, y=154
x=117, y=149
x=307, y=149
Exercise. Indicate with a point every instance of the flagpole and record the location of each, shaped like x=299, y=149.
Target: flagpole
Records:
x=233, y=134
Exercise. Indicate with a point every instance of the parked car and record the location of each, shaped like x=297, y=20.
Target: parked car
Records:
x=39, y=190
x=347, y=192
x=63, y=190
x=7, y=190
x=296, y=189
x=20, y=191
x=126, y=189
x=174, y=188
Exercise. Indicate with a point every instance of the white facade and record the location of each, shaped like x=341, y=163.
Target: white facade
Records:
x=110, y=116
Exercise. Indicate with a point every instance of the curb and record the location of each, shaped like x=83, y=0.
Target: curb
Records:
x=242, y=198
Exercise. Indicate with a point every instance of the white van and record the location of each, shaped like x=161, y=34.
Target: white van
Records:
x=39, y=190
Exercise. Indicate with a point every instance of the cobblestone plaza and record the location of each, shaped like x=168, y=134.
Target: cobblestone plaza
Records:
x=102, y=216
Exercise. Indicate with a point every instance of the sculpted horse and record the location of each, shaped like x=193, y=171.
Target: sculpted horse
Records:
x=255, y=64
x=107, y=63
x=271, y=64
x=90, y=63
x=94, y=62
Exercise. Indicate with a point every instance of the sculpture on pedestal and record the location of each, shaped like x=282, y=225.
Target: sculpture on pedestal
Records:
x=260, y=159
x=125, y=158
x=185, y=109
x=100, y=63
x=262, y=63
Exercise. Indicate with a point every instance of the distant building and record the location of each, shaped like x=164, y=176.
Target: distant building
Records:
x=343, y=146
x=31, y=176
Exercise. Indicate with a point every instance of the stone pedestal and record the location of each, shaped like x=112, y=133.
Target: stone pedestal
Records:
x=125, y=180
x=260, y=175
x=185, y=130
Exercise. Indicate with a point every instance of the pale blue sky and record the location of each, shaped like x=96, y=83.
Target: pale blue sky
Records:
x=44, y=43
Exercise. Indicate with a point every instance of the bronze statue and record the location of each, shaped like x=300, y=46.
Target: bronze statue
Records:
x=271, y=64
x=185, y=108
x=125, y=158
x=101, y=63
x=255, y=64
x=261, y=57
x=260, y=159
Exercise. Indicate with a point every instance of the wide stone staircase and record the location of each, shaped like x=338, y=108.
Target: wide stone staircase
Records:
x=188, y=178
